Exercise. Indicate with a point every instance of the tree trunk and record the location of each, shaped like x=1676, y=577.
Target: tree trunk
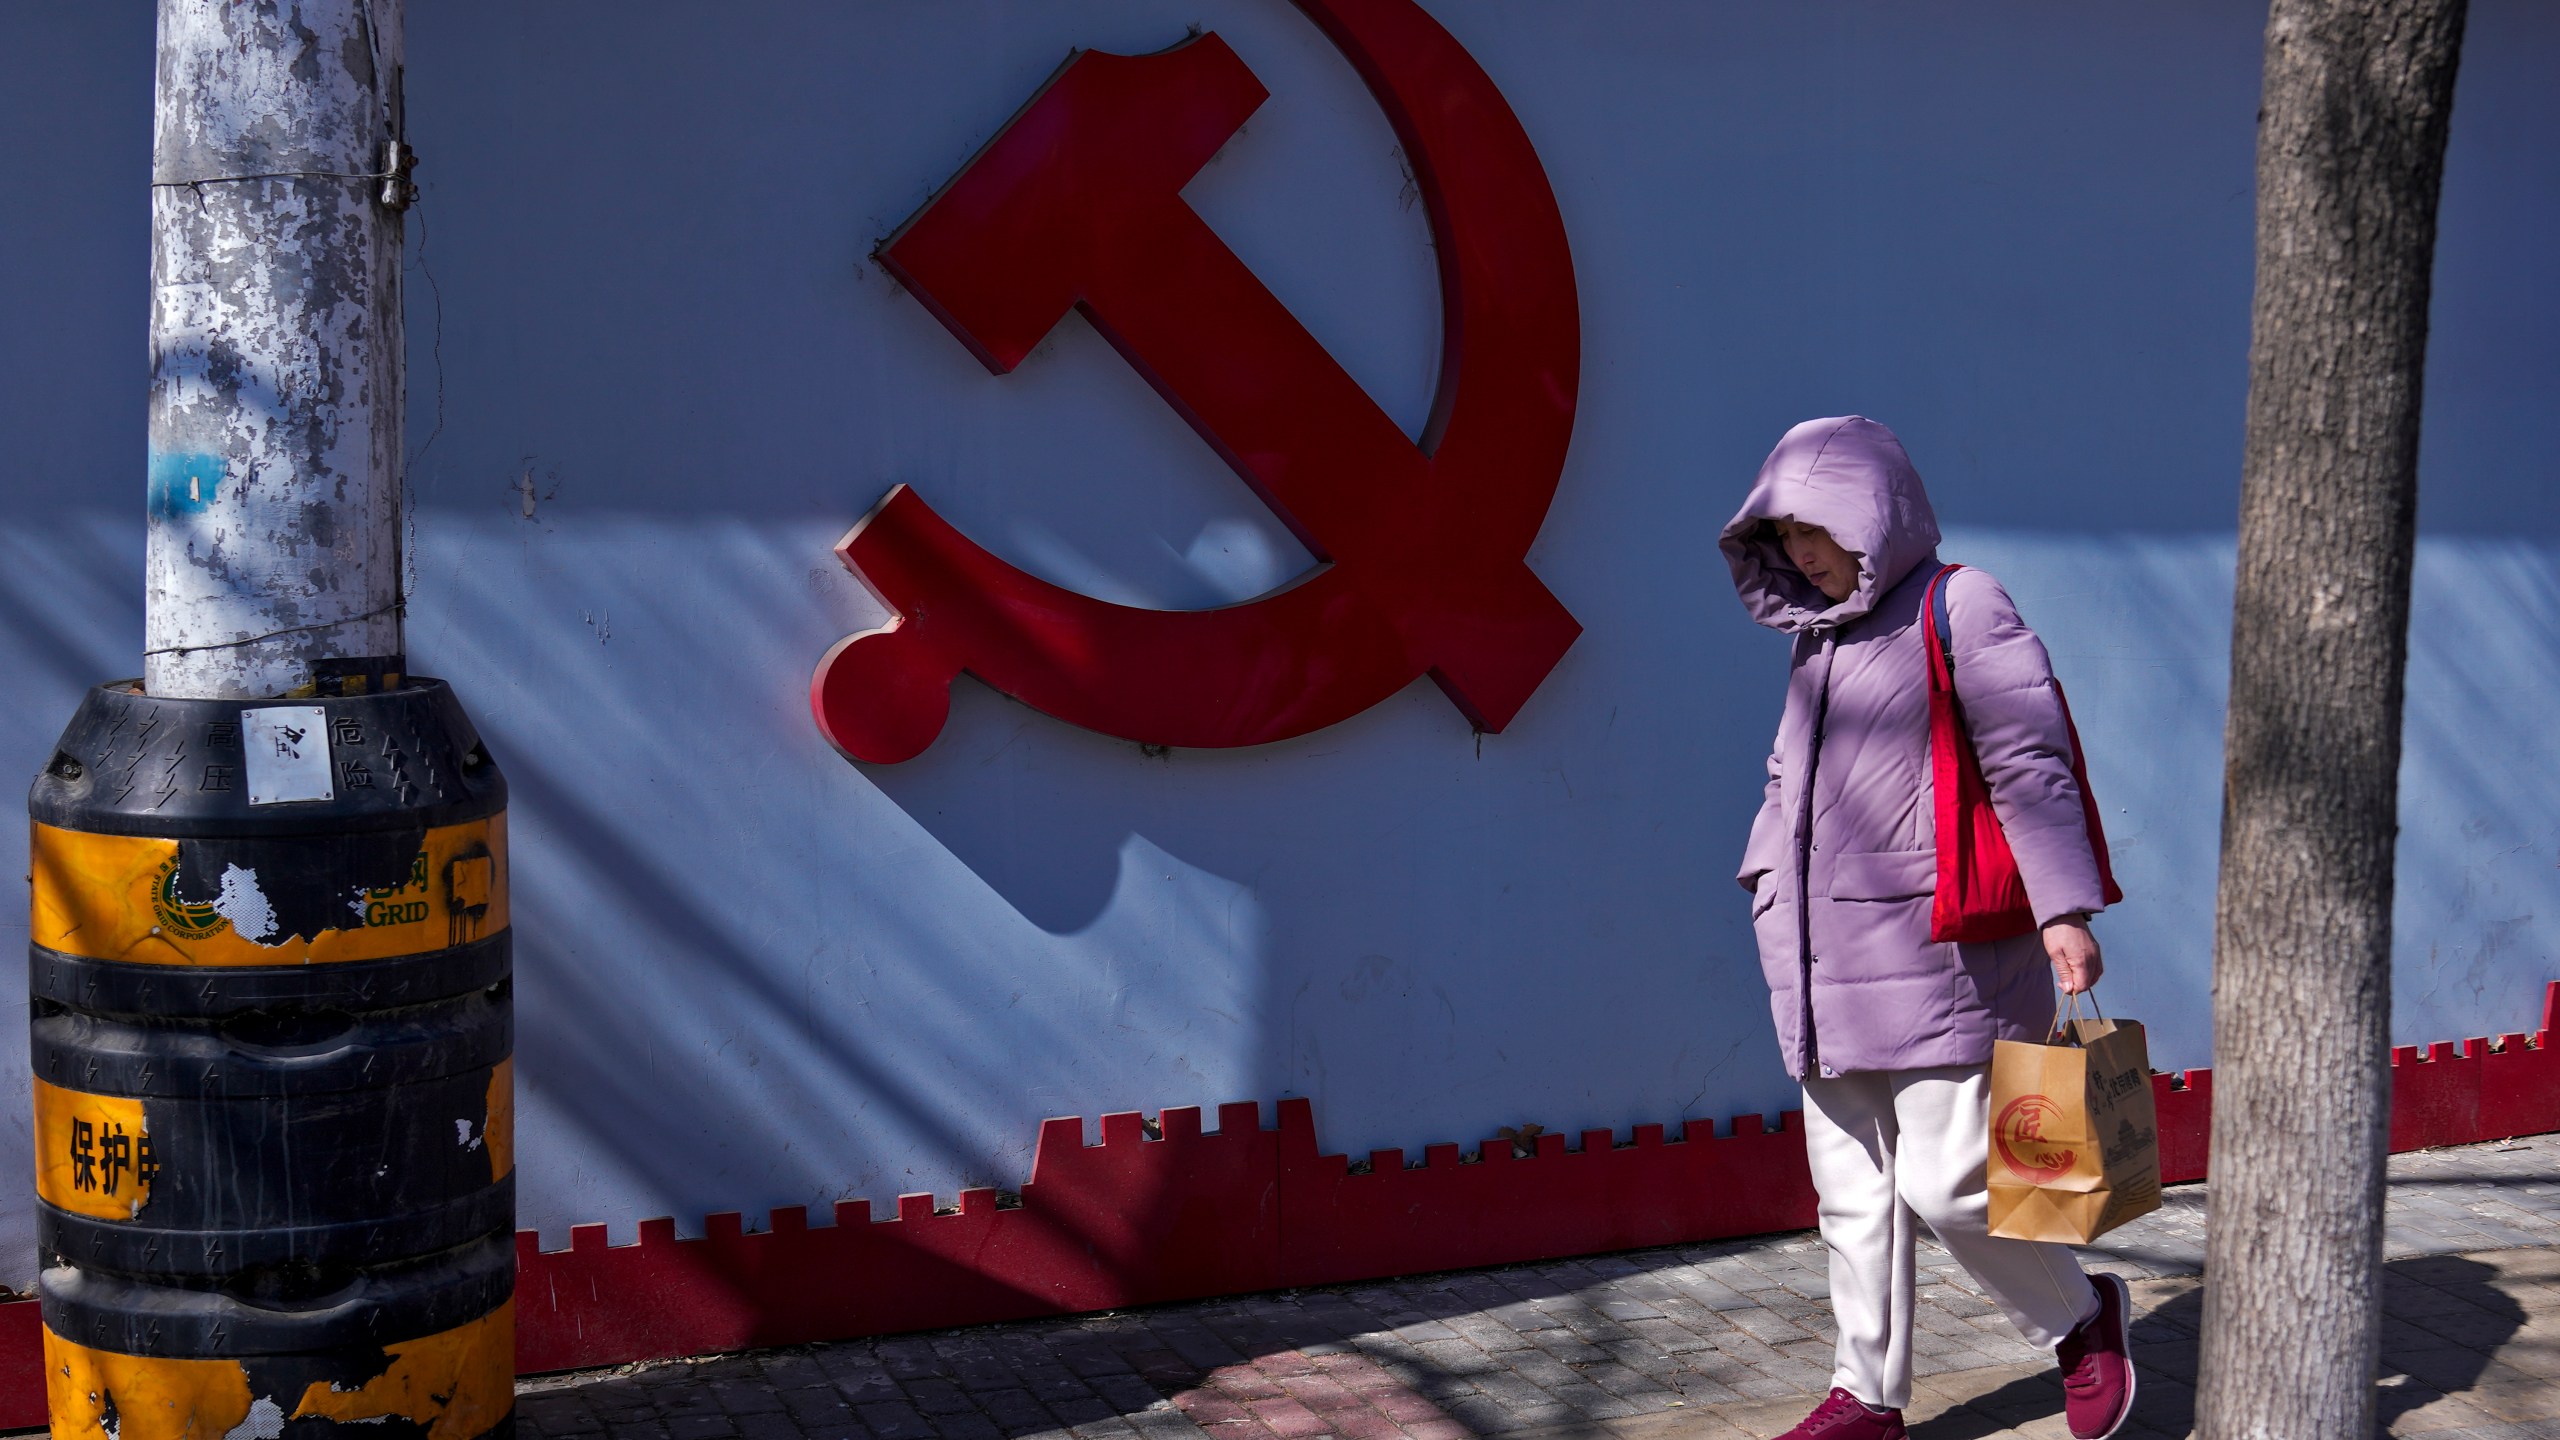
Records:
x=2351, y=137
x=276, y=347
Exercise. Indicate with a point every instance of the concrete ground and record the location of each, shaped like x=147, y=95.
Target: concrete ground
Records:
x=1695, y=1342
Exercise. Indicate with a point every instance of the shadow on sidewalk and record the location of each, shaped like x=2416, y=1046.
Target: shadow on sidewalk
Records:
x=2164, y=1353
x=2444, y=1318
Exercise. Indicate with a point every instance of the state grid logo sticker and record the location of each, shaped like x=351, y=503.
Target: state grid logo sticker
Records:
x=182, y=919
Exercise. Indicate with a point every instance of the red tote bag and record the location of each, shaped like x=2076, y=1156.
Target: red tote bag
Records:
x=1980, y=895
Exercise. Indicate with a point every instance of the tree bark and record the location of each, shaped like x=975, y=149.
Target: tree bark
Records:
x=276, y=346
x=2351, y=136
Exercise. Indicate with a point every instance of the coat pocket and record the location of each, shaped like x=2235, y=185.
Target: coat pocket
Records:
x=1884, y=875
x=1764, y=893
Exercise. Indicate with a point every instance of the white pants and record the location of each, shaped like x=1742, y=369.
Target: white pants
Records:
x=1884, y=1145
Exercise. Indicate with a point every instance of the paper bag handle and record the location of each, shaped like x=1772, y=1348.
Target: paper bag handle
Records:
x=2068, y=1011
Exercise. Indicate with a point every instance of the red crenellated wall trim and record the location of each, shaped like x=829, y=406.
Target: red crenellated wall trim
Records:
x=1140, y=1219
x=1189, y=1212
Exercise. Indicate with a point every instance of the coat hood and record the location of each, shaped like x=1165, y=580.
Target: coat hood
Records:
x=1850, y=476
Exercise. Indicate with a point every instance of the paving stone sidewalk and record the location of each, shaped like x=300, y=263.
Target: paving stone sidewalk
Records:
x=1693, y=1342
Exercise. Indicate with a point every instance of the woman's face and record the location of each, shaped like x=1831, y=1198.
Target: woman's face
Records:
x=1811, y=549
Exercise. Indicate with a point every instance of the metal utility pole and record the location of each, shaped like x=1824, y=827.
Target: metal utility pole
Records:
x=2351, y=136
x=278, y=179
x=271, y=1014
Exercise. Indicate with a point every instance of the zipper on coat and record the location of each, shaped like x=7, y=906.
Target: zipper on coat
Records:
x=1804, y=863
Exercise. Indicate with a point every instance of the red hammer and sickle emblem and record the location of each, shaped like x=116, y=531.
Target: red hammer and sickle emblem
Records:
x=1077, y=204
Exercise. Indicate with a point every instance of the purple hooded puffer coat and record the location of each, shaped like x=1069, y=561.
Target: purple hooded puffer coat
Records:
x=1842, y=862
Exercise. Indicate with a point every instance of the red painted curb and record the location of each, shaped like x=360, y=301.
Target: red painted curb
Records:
x=1187, y=1213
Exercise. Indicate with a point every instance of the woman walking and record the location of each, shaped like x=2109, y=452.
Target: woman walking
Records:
x=1890, y=1032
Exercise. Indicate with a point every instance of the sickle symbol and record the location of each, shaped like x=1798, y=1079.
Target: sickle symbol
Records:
x=1422, y=550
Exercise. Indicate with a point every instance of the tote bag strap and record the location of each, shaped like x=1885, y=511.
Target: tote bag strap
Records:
x=1942, y=656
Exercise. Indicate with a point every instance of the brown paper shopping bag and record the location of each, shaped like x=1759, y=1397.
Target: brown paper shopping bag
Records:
x=2075, y=1145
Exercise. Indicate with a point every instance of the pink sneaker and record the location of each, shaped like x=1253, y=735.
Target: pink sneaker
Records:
x=1841, y=1416
x=2097, y=1365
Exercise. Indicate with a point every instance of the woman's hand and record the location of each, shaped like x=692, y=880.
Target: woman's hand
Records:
x=2076, y=964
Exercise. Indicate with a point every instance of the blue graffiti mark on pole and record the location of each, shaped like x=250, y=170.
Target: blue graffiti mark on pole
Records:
x=184, y=484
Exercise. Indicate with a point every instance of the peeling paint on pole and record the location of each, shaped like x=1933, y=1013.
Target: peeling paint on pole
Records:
x=276, y=345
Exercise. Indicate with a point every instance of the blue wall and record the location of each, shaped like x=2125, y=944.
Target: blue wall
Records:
x=753, y=974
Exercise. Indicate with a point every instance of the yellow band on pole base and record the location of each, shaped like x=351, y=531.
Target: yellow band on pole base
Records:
x=458, y=1384
x=116, y=897
x=93, y=1156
